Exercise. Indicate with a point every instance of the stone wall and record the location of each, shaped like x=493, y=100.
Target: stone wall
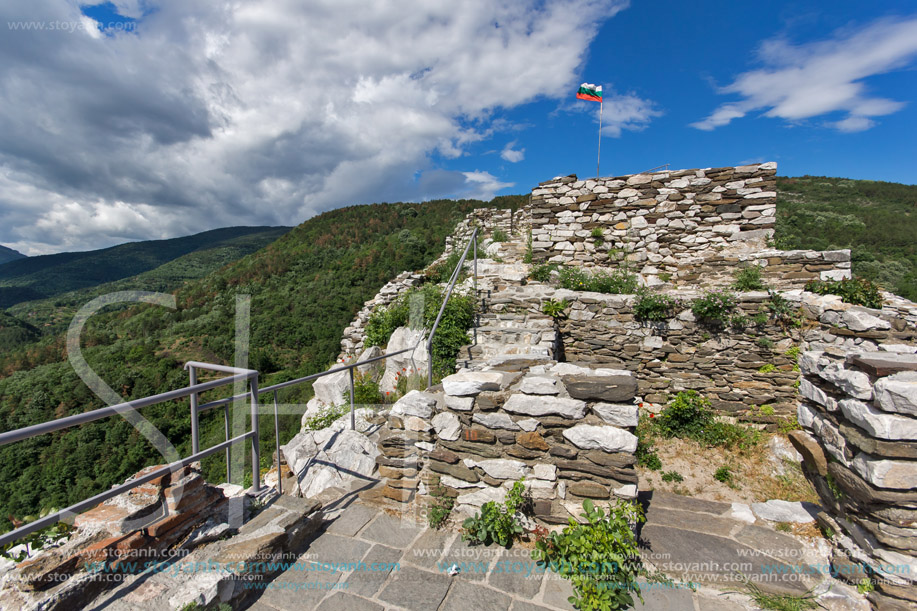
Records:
x=687, y=226
x=567, y=430
x=859, y=413
x=354, y=334
x=487, y=219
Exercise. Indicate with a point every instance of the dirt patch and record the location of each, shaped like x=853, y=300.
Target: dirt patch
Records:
x=753, y=475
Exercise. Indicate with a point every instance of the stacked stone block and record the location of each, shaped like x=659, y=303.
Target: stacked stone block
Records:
x=568, y=430
x=859, y=414
x=352, y=341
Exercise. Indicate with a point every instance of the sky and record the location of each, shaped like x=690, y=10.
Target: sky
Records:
x=149, y=119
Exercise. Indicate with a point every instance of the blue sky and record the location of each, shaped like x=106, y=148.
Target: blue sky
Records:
x=144, y=119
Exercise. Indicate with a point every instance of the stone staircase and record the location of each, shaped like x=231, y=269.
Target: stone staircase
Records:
x=500, y=335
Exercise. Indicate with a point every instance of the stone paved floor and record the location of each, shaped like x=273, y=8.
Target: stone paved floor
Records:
x=397, y=563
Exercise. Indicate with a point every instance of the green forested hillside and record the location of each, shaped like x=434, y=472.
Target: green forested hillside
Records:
x=46, y=276
x=305, y=288
x=8, y=254
x=876, y=220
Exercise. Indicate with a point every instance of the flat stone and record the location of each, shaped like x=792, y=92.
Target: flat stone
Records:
x=429, y=548
x=379, y=562
x=898, y=393
x=612, y=388
x=504, y=469
x=742, y=513
x=812, y=453
x=474, y=560
x=481, y=496
x=447, y=426
x=879, y=423
x=458, y=471
x=545, y=472
x=413, y=423
x=607, y=438
x=465, y=595
x=413, y=588
x=472, y=383
x=851, y=483
x=878, y=447
x=539, y=385
x=859, y=320
x=459, y=404
x=528, y=424
x=616, y=459
x=349, y=522
x=563, y=452
x=896, y=474
x=785, y=511
x=688, y=520
x=854, y=383
x=516, y=574
x=415, y=403
x=688, y=503
x=674, y=597
x=881, y=364
x=544, y=406
x=495, y=420
x=391, y=531
x=589, y=490
x=617, y=414
x=344, y=600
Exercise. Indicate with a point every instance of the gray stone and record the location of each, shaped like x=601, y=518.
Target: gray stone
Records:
x=332, y=457
x=391, y=531
x=545, y=406
x=412, y=588
x=379, y=561
x=415, y=403
x=613, y=388
x=459, y=404
x=401, y=364
x=539, y=385
x=621, y=415
x=495, y=420
x=472, y=383
x=481, y=496
x=447, y=426
x=528, y=424
x=504, y=469
x=545, y=472
x=895, y=474
x=344, y=600
x=784, y=511
x=898, y=393
x=854, y=383
x=465, y=595
x=878, y=423
x=607, y=438
x=856, y=319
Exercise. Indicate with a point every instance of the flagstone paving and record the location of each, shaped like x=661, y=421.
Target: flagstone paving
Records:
x=373, y=560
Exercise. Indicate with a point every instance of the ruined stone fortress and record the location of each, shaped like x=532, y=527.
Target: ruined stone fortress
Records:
x=557, y=402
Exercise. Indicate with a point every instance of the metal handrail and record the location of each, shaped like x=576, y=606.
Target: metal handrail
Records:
x=193, y=391
x=129, y=406
x=442, y=308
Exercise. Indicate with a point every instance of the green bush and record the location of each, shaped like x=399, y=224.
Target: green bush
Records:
x=498, y=523
x=365, y=390
x=857, y=291
x=383, y=322
x=554, y=308
x=689, y=416
x=782, y=310
x=619, y=281
x=498, y=235
x=724, y=474
x=646, y=455
x=440, y=508
x=654, y=306
x=714, y=308
x=600, y=557
x=527, y=257
x=542, y=273
x=748, y=278
x=672, y=476
x=325, y=417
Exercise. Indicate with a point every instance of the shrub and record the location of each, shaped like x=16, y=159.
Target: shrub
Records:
x=619, y=281
x=655, y=307
x=646, y=455
x=858, y=291
x=365, y=390
x=440, y=508
x=383, y=322
x=765, y=342
x=782, y=310
x=672, y=476
x=498, y=235
x=724, y=474
x=748, y=278
x=542, y=273
x=498, y=523
x=714, y=308
x=555, y=309
x=792, y=352
x=325, y=417
x=689, y=416
x=600, y=557
x=767, y=368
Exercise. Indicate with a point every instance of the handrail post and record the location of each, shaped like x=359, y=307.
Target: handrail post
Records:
x=475, y=276
x=226, y=435
x=256, y=449
x=353, y=424
x=195, y=425
x=277, y=445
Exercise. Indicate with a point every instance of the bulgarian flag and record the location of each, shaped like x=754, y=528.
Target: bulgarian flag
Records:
x=588, y=91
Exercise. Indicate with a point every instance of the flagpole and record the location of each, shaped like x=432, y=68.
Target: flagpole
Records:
x=599, y=160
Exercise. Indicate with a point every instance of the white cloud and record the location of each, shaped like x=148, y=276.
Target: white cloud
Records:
x=622, y=112
x=803, y=81
x=263, y=112
x=483, y=185
x=512, y=155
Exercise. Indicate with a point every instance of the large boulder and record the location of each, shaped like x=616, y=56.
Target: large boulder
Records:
x=330, y=389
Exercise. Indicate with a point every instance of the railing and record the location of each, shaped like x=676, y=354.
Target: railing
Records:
x=130, y=406
x=193, y=391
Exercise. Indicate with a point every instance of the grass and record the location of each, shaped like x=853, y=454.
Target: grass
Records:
x=780, y=602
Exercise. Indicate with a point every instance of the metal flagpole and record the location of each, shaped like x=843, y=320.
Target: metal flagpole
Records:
x=598, y=162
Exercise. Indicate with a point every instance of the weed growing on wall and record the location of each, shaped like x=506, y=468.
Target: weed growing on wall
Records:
x=857, y=291
x=498, y=523
x=654, y=306
x=618, y=282
x=714, y=308
x=748, y=278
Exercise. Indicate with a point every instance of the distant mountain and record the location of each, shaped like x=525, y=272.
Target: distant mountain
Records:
x=33, y=278
x=8, y=254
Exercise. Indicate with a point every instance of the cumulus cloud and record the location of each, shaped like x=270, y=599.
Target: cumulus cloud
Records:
x=512, y=155
x=809, y=80
x=263, y=112
x=629, y=112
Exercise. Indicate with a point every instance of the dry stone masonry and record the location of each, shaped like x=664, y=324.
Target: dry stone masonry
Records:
x=859, y=414
x=670, y=225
